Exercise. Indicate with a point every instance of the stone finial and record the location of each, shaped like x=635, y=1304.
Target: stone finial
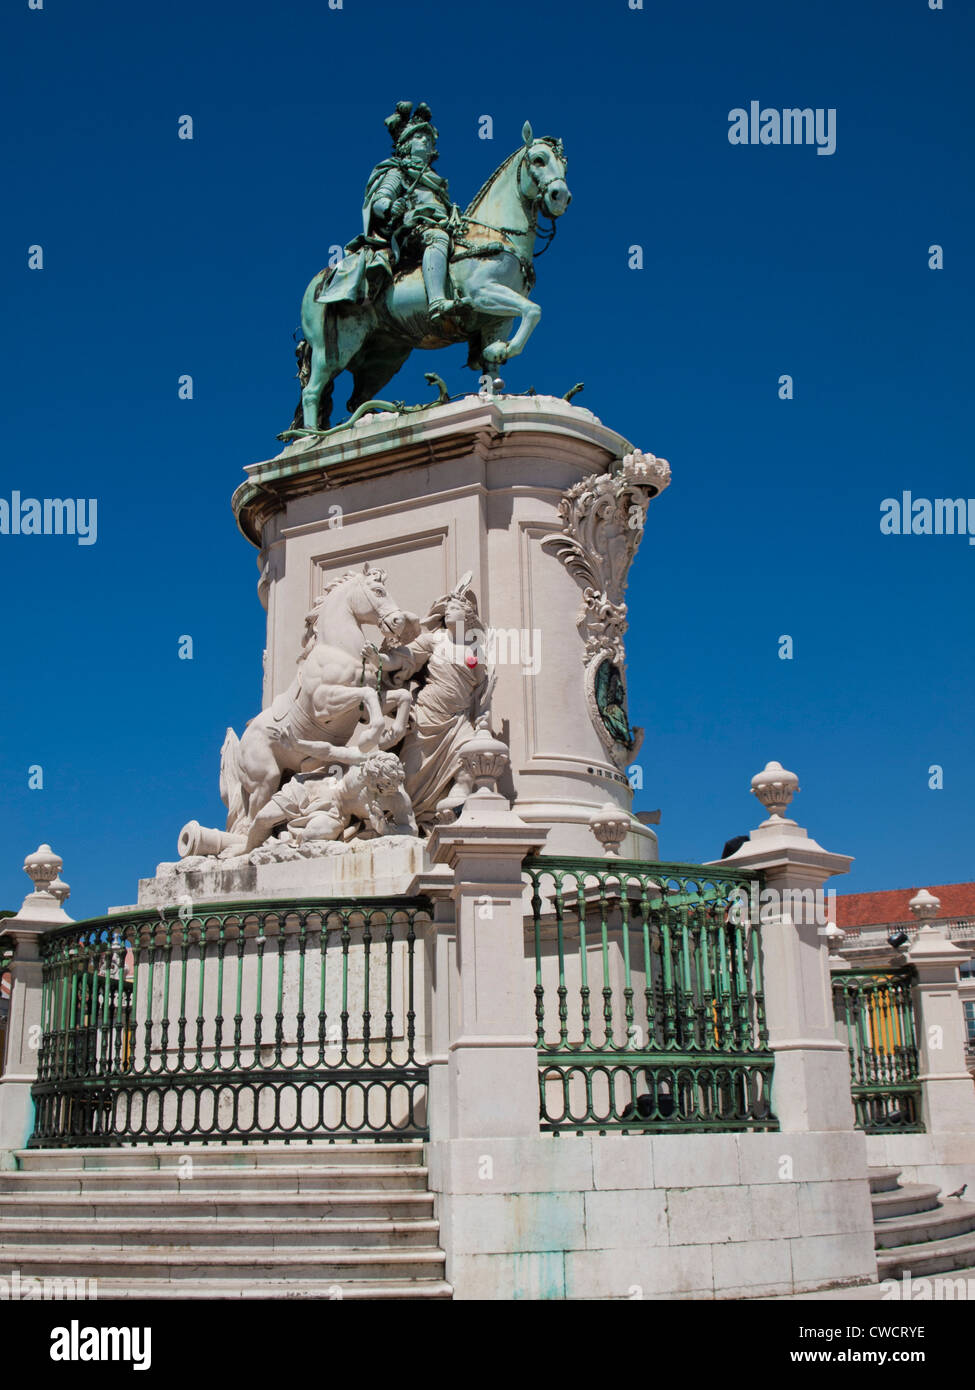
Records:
x=646, y=470
x=775, y=788
x=60, y=890
x=931, y=946
x=609, y=825
x=43, y=867
x=835, y=936
x=485, y=758
x=43, y=907
x=924, y=906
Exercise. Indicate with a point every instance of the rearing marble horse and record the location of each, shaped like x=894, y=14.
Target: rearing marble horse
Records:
x=491, y=273
x=316, y=718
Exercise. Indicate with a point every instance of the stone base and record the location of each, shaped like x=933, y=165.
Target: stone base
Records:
x=811, y=1086
x=16, y=1117
x=377, y=868
x=698, y=1216
x=481, y=484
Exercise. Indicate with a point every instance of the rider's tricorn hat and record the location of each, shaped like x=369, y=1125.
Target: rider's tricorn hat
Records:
x=407, y=120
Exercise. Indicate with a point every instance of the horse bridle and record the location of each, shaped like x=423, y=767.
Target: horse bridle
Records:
x=540, y=190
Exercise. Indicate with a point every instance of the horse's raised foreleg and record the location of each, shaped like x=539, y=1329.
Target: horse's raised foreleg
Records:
x=502, y=302
x=330, y=701
x=375, y=724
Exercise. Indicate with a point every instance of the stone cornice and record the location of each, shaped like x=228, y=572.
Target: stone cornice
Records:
x=383, y=444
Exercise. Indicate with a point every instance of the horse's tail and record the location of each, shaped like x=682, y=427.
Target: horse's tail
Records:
x=303, y=359
x=231, y=791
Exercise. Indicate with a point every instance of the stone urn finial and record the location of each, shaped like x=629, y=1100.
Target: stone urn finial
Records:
x=647, y=471
x=43, y=867
x=775, y=788
x=835, y=936
x=60, y=890
x=609, y=825
x=486, y=758
x=925, y=907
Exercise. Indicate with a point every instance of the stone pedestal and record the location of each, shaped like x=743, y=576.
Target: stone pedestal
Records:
x=384, y=867
x=478, y=485
x=948, y=1096
x=811, y=1088
x=41, y=912
x=492, y=1056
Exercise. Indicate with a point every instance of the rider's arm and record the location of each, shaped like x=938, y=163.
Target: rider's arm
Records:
x=387, y=191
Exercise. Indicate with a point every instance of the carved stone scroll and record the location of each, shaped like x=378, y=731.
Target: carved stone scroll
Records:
x=602, y=525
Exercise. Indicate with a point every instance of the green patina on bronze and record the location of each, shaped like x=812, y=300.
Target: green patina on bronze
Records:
x=422, y=273
x=610, y=693
x=401, y=408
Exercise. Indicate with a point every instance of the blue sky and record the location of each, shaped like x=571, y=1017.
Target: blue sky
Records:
x=164, y=257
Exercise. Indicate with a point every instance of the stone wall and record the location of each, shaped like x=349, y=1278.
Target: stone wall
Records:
x=705, y=1216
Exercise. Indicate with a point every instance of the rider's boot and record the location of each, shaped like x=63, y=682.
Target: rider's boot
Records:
x=435, y=281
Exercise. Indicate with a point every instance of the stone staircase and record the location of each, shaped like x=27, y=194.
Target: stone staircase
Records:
x=915, y=1232
x=237, y=1221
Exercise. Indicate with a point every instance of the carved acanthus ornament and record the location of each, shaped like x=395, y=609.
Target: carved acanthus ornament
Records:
x=602, y=524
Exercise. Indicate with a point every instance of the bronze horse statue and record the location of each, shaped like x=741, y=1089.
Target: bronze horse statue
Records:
x=491, y=274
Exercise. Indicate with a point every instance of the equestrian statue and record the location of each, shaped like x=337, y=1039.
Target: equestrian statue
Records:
x=423, y=274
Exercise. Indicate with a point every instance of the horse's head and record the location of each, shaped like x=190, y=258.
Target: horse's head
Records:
x=541, y=174
x=371, y=602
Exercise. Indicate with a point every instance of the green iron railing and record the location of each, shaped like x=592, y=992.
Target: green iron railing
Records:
x=649, y=1002
x=239, y=1021
x=875, y=1017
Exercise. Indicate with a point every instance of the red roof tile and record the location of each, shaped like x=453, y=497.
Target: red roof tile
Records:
x=877, y=909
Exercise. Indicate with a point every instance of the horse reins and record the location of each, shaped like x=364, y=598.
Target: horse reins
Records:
x=548, y=234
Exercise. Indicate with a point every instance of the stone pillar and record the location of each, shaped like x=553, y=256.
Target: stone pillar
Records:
x=811, y=1087
x=492, y=1058
x=948, y=1096
x=439, y=992
x=41, y=912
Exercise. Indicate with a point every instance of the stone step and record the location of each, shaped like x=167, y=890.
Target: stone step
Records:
x=210, y=1289
x=340, y=1154
x=883, y=1179
x=931, y=1257
x=299, y=1178
x=281, y=1206
x=193, y=1265
x=325, y=1221
x=200, y=1233
x=955, y=1219
x=963, y=1290
x=908, y=1200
